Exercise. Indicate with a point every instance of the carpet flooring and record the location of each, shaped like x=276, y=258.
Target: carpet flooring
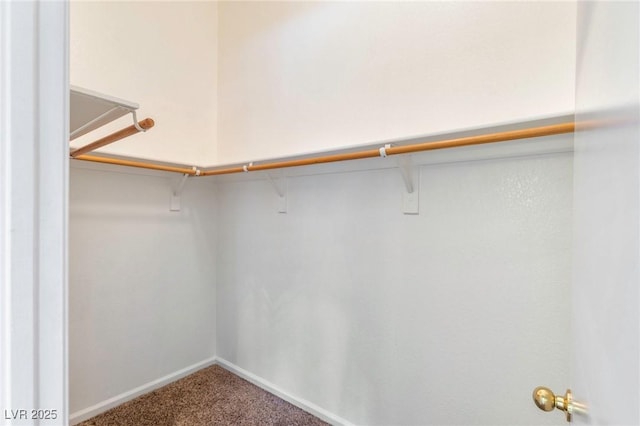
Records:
x=211, y=396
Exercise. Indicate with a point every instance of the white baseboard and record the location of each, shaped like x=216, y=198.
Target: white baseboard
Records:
x=101, y=407
x=319, y=412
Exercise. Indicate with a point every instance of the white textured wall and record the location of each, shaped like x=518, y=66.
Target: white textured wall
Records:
x=449, y=317
x=142, y=282
x=296, y=77
x=161, y=55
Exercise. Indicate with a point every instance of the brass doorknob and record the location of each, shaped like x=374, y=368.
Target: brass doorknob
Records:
x=546, y=400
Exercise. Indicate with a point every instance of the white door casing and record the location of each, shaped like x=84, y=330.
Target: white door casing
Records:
x=34, y=91
x=607, y=214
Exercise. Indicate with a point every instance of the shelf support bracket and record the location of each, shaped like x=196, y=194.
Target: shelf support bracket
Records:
x=280, y=187
x=176, y=192
x=79, y=130
x=135, y=122
x=411, y=177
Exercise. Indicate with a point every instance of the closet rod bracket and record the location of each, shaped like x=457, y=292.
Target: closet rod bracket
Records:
x=176, y=191
x=135, y=122
x=411, y=177
x=279, y=184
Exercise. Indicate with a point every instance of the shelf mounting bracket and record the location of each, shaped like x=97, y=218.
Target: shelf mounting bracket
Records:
x=411, y=177
x=279, y=184
x=176, y=192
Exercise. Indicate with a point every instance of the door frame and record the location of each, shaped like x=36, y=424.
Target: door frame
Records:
x=34, y=148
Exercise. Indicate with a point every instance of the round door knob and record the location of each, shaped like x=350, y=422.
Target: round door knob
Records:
x=546, y=400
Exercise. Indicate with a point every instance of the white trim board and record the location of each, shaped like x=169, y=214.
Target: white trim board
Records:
x=303, y=404
x=101, y=407
x=34, y=212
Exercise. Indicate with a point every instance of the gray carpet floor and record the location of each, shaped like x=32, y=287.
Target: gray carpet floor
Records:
x=211, y=396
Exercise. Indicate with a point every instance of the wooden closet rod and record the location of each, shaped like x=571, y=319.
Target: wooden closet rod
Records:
x=147, y=123
x=533, y=132
x=138, y=164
